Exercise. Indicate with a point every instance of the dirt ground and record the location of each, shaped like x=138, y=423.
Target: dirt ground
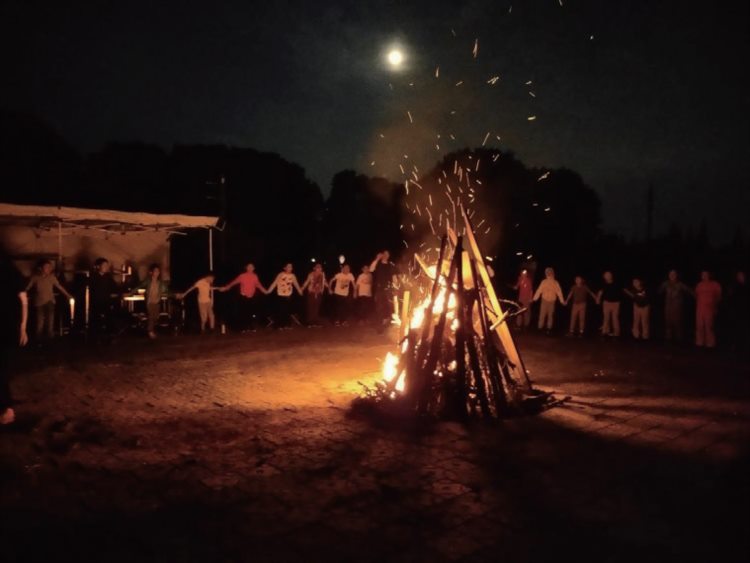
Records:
x=243, y=448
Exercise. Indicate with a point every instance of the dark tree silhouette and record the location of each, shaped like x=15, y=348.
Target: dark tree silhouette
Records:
x=129, y=176
x=35, y=162
x=520, y=214
x=361, y=217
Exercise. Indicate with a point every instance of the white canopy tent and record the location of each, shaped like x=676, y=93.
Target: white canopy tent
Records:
x=76, y=237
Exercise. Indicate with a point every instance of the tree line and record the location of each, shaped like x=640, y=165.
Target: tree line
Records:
x=273, y=213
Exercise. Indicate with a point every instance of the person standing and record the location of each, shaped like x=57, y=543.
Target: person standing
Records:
x=204, y=287
x=341, y=287
x=674, y=303
x=549, y=291
x=102, y=290
x=610, y=297
x=285, y=284
x=738, y=309
x=641, y=309
x=525, y=288
x=384, y=283
x=155, y=288
x=44, y=283
x=707, y=298
x=249, y=287
x=14, y=310
x=363, y=294
x=315, y=285
x=580, y=294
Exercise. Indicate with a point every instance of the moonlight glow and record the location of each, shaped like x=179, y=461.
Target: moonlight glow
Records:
x=395, y=58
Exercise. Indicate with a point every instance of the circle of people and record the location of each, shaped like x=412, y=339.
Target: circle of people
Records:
x=368, y=297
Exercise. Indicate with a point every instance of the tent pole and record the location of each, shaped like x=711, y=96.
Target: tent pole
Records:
x=59, y=246
x=210, y=249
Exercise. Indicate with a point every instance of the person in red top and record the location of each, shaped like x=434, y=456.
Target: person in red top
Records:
x=525, y=288
x=707, y=297
x=249, y=287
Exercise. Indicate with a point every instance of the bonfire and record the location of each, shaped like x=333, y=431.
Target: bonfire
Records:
x=455, y=355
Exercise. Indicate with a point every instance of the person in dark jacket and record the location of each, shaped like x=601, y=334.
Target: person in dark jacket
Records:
x=641, y=309
x=14, y=312
x=102, y=291
x=738, y=313
x=674, y=292
x=610, y=296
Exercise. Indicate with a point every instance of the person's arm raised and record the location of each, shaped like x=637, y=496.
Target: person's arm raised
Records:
x=375, y=262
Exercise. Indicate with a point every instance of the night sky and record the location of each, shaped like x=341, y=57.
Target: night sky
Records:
x=656, y=96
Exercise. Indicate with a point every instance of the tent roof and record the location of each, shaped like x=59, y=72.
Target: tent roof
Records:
x=103, y=219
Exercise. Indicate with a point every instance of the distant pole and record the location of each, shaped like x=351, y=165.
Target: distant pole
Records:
x=59, y=247
x=210, y=249
x=223, y=215
x=649, y=212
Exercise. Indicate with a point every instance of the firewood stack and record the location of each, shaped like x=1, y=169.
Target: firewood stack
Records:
x=456, y=356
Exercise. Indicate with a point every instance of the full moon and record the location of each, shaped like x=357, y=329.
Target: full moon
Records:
x=395, y=58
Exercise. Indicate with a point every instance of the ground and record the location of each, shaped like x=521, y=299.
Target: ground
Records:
x=244, y=448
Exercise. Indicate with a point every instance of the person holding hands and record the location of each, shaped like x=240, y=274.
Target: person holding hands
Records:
x=315, y=285
x=44, y=283
x=285, y=284
x=549, y=291
x=204, y=287
x=580, y=294
x=249, y=287
x=341, y=286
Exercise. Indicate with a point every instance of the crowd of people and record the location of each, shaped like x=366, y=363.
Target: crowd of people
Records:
x=365, y=298
x=707, y=297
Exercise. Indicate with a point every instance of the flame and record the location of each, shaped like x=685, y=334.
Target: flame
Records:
x=390, y=371
x=390, y=365
x=417, y=317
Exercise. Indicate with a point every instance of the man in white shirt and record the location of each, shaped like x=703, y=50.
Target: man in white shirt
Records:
x=340, y=287
x=284, y=284
x=549, y=291
x=363, y=294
